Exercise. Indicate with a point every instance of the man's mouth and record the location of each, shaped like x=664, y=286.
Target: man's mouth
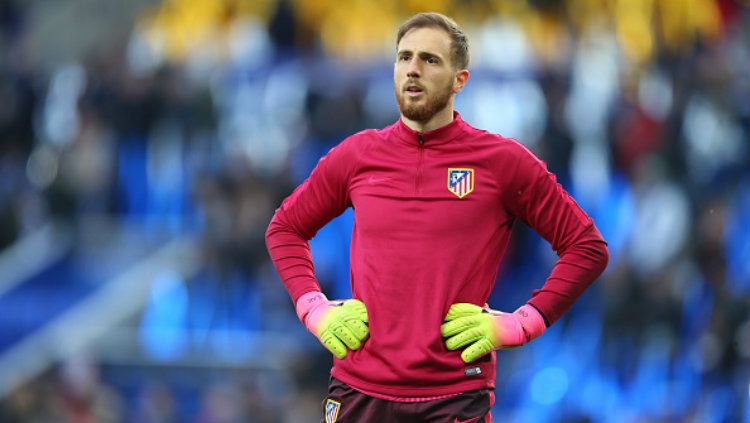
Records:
x=413, y=90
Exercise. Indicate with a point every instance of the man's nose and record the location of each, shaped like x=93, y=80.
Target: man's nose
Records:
x=413, y=70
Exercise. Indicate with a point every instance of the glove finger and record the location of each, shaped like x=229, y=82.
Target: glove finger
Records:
x=358, y=328
x=459, y=310
x=345, y=335
x=333, y=344
x=357, y=308
x=464, y=338
x=459, y=325
x=476, y=350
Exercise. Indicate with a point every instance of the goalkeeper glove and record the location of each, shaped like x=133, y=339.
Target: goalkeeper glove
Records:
x=337, y=324
x=484, y=330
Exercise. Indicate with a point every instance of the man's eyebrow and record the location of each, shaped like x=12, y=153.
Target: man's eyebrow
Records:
x=428, y=55
x=422, y=54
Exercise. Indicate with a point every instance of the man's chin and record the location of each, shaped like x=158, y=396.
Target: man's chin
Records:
x=417, y=115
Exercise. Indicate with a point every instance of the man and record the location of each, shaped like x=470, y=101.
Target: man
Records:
x=434, y=201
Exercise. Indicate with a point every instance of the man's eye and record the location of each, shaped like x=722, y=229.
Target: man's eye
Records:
x=432, y=60
x=405, y=58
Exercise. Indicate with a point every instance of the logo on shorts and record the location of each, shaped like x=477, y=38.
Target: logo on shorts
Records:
x=332, y=410
x=460, y=181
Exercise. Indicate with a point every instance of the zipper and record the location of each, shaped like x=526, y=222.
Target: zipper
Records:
x=419, y=164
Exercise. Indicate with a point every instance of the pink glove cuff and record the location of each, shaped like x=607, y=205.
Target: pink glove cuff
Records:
x=307, y=302
x=531, y=321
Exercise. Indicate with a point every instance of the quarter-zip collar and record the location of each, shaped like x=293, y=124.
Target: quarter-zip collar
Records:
x=437, y=136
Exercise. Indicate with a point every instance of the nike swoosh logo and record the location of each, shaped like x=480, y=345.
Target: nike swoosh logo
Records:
x=374, y=180
x=466, y=421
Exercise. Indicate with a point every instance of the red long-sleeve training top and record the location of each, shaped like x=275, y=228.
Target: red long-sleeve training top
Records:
x=432, y=219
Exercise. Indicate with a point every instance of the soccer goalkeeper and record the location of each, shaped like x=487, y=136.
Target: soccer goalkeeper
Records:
x=434, y=201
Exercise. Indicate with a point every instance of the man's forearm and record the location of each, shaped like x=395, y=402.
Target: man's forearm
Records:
x=578, y=267
x=291, y=256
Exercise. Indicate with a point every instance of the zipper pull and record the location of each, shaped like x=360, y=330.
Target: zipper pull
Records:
x=421, y=140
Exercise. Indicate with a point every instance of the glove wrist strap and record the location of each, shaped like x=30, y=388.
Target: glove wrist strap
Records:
x=307, y=302
x=531, y=320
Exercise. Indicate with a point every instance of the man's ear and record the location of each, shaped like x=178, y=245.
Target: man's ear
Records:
x=462, y=77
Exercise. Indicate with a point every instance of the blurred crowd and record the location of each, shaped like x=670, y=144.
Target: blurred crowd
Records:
x=207, y=113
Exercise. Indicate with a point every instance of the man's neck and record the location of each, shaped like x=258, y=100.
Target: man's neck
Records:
x=438, y=120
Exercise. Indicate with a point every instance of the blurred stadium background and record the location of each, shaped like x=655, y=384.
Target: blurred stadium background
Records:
x=145, y=144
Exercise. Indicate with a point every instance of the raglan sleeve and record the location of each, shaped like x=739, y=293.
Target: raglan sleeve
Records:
x=535, y=197
x=320, y=198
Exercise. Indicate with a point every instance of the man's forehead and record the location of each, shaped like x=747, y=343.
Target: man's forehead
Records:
x=430, y=40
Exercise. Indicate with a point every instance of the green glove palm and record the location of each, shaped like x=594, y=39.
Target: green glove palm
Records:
x=339, y=325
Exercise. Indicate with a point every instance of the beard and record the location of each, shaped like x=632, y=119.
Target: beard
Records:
x=423, y=111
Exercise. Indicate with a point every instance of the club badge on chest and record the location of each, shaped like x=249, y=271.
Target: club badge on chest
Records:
x=460, y=181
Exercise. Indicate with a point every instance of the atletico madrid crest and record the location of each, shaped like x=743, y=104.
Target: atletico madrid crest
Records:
x=460, y=181
x=332, y=410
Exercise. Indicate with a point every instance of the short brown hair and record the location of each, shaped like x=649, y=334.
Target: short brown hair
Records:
x=459, y=42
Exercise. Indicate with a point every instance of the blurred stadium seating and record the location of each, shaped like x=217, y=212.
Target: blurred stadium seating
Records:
x=145, y=144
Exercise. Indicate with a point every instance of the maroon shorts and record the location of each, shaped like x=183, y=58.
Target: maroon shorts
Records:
x=345, y=404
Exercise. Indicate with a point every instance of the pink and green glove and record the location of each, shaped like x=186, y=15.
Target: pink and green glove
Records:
x=484, y=329
x=339, y=325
